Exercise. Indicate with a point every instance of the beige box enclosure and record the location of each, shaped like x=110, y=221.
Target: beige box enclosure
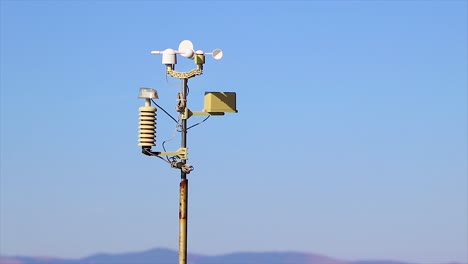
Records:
x=220, y=102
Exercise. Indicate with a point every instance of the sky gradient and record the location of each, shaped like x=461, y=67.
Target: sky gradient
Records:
x=350, y=141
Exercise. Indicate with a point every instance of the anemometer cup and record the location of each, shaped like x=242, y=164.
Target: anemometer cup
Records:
x=217, y=54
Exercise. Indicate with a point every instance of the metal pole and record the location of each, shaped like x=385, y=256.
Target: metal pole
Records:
x=184, y=124
x=183, y=222
x=183, y=201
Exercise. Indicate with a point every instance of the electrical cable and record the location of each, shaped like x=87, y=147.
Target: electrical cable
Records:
x=152, y=154
x=162, y=159
x=173, y=136
x=198, y=122
x=164, y=111
x=179, y=126
x=171, y=84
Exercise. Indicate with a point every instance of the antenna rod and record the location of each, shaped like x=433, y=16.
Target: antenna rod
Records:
x=183, y=199
x=183, y=175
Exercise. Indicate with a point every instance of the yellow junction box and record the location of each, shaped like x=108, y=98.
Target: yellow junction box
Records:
x=220, y=102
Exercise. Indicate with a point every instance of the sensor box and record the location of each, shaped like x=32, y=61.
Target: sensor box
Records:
x=220, y=102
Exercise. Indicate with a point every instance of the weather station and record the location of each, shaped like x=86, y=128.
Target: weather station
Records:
x=215, y=104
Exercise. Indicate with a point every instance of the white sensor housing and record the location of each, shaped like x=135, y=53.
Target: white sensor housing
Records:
x=148, y=93
x=169, y=57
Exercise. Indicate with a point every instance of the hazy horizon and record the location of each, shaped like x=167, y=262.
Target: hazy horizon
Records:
x=175, y=251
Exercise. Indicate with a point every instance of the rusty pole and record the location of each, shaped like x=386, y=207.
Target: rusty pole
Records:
x=183, y=201
x=183, y=222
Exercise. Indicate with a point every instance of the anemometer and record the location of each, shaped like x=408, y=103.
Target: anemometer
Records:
x=186, y=50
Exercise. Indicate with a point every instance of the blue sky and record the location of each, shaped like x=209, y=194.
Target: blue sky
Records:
x=350, y=141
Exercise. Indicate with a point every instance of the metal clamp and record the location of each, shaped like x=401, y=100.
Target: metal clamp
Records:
x=187, y=113
x=185, y=168
x=182, y=153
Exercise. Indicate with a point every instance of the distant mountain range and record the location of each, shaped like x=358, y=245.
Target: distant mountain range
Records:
x=167, y=256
